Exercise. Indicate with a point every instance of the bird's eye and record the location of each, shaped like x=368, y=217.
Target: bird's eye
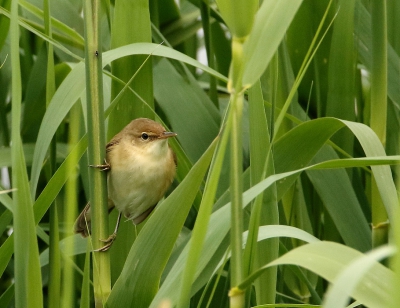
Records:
x=145, y=136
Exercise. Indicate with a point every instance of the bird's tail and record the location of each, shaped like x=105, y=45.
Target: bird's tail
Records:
x=83, y=222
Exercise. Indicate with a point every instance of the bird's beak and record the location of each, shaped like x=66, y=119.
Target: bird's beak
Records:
x=166, y=135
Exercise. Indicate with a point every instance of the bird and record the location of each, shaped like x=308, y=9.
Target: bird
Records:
x=140, y=167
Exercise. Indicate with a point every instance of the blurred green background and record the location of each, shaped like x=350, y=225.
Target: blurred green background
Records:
x=287, y=114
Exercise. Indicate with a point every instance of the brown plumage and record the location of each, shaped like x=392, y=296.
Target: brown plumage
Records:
x=140, y=168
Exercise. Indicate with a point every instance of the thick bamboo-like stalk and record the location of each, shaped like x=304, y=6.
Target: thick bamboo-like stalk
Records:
x=96, y=146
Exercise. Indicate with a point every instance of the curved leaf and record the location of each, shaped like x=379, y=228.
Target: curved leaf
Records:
x=345, y=283
x=220, y=222
x=73, y=87
x=328, y=259
x=270, y=231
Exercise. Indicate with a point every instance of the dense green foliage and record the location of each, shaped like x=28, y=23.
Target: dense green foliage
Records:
x=286, y=192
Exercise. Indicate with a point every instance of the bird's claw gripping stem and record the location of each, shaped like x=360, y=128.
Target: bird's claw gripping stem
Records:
x=104, y=167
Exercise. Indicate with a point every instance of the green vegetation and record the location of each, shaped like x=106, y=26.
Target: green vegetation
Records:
x=286, y=192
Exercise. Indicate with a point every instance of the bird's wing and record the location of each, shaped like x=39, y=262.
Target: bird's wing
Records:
x=83, y=222
x=113, y=142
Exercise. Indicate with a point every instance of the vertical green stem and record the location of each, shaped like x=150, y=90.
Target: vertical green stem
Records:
x=237, y=298
x=236, y=186
x=378, y=108
x=379, y=69
x=54, y=238
x=28, y=278
x=70, y=211
x=96, y=149
x=236, y=198
x=54, y=249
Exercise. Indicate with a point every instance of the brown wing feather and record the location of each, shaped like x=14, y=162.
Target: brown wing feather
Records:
x=113, y=142
x=83, y=222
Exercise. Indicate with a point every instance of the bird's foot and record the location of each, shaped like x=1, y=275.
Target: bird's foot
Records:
x=109, y=241
x=104, y=167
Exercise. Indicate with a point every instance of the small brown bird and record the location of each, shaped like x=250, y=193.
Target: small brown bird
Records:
x=141, y=167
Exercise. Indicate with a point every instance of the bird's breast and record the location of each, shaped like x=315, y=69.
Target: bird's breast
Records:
x=137, y=182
